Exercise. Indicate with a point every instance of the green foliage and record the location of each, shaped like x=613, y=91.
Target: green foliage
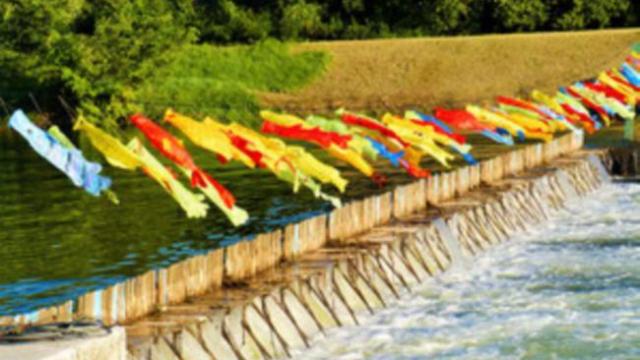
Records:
x=222, y=81
x=107, y=56
x=355, y=19
x=301, y=19
x=593, y=14
x=94, y=50
x=521, y=15
x=224, y=21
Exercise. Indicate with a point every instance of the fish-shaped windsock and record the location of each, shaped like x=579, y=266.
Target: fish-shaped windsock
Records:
x=277, y=158
x=368, y=123
x=313, y=167
x=292, y=127
x=631, y=74
x=393, y=157
x=463, y=120
x=420, y=137
x=619, y=78
x=298, y=132
x=599, y=109
x=439, y=126
x=173, y=150
x=206, y=137
x=115, y=152
x=82, y=173
x=495, y=119
x=606, y=95
x=192, y=204
x=358, y=143
x=135, y=156
x=64, y=141
x=441, y=134
x=334, y=143
x=606, y=90
x=630, y=95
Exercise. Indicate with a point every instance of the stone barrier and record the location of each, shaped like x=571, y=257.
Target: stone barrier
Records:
x=152, y=291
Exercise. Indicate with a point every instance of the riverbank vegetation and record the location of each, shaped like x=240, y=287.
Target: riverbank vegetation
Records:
x=108, y=58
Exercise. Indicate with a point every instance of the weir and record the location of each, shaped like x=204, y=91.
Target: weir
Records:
x=264, y=298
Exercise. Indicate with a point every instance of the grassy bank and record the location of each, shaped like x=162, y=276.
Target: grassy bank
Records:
x=400, y=73
x=223, y=81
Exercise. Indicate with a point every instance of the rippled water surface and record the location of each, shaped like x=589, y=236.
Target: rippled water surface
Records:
x=568, y=289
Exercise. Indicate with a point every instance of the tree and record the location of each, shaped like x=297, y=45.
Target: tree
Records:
x=520, y=15
x=586, y=14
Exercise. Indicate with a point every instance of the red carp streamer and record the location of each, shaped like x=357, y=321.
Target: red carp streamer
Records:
x=461, y=119
x=172, y=149
x=588, y=103
x=314, y=135
x=606, y=90
x=361, y=121
x=590, y=125
x=414, y=171
x=242, y=144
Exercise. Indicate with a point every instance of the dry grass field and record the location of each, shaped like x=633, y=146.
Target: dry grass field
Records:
x=396, y=74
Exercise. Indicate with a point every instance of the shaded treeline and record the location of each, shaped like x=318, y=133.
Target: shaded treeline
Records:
x=250, y=20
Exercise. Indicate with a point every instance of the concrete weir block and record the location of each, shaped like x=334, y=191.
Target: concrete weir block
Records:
x=410, y=198
x=282, y=323
x=263, y=332
x=346, y=290
x=214, y=339
x=321, y=311
x=359, y=216
x=304, y=237
x=246, y=258
x=108, y=347
x=162, y=349
x=190, y=347
x=300, y=313
x=60, y=313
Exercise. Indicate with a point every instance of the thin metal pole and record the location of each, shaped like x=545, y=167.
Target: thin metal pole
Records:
x=67, y=109
x=4, y=106
x=35, y=103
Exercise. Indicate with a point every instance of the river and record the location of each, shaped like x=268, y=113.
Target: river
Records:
x=566, y=289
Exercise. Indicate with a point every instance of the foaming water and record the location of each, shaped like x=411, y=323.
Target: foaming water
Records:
x=567, y=289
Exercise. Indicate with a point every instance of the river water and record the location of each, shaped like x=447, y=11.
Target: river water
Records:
x=57, y=242
x=566, y=289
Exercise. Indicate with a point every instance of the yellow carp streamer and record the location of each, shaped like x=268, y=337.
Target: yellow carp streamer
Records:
x=206, y=137
x=493, y=119
x=358, y=143
x=629, y=93
x=136, y=156
x=192, y=204
x=420, y=137
x=348, y=155
x=284, y=162
x=116, y=153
